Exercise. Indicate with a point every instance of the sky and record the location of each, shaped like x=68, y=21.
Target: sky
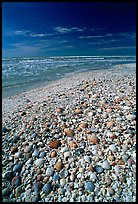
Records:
x=32, y=29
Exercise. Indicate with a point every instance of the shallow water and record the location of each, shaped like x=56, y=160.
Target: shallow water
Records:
x=21, y=74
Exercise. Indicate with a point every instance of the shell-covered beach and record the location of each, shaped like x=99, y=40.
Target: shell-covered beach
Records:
x=73, y=140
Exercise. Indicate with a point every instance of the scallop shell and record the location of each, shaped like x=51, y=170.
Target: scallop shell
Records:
x=68, y=132
x=58, y=165
x=93, y=139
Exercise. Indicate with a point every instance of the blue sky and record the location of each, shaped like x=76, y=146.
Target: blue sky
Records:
x=68, y=28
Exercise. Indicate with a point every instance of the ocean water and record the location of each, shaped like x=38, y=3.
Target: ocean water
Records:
x=21, y=74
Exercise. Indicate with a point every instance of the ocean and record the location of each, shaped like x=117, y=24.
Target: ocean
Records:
x=22, y=74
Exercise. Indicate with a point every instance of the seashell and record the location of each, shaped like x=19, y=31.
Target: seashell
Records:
x=68, y=132
x=91, y=168
x=62, y=181
x=58, y=166
x=54, y=144
x=53, y=153
x=14, y=149
x=90, y=114
x=121, y=162
x=93, y=139
x=93, y=176
x=59, y=110
x=131, y=117
x=28, y=149
x=64, y=149
x=83, y=125
x=108, y=180
x=17, y=155
x=109, y=124
x=111, y=190
x=72, y=177
x=108, y=110
x=78, y=111
x=67, y=155
x=73, y=144
x=111, y=157
x=87, y=159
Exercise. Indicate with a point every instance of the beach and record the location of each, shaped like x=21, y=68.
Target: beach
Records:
x=73, y=140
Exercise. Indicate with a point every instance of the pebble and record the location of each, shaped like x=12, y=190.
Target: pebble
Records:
x=15, y=139
x=5, y=130
x=17, y=167
x=7, y=175
x=87, y=159
x=75, y=146
x=49, y=171
x=6, y=192
x=93, y=176
x=37, y=186
x=79, y=151
x=113, y=148
x=35, y=198
x=42, y=154
x=99, y=169
x=106, y=165
x=35, y=153
x=131, y=117
x=39, y=162
x=16, y=181
x=111, y=191
x=89, y=186
x=18, y=191
x=28, y=149
x=56, y=177
x=47, y=188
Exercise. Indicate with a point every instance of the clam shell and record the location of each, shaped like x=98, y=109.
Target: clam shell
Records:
x=58, y=165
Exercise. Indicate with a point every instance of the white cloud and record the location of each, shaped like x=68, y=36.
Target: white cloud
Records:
x=31, y=34
x=64, y=30
x=90, y=36
x=117, y=48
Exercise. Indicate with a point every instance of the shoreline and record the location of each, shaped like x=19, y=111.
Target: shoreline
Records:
x=11, y=103
x=72, y=141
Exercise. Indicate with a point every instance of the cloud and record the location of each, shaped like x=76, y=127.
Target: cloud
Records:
x=63, y=30
x=90, y=36
x=31, y=34
x=117, y=48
